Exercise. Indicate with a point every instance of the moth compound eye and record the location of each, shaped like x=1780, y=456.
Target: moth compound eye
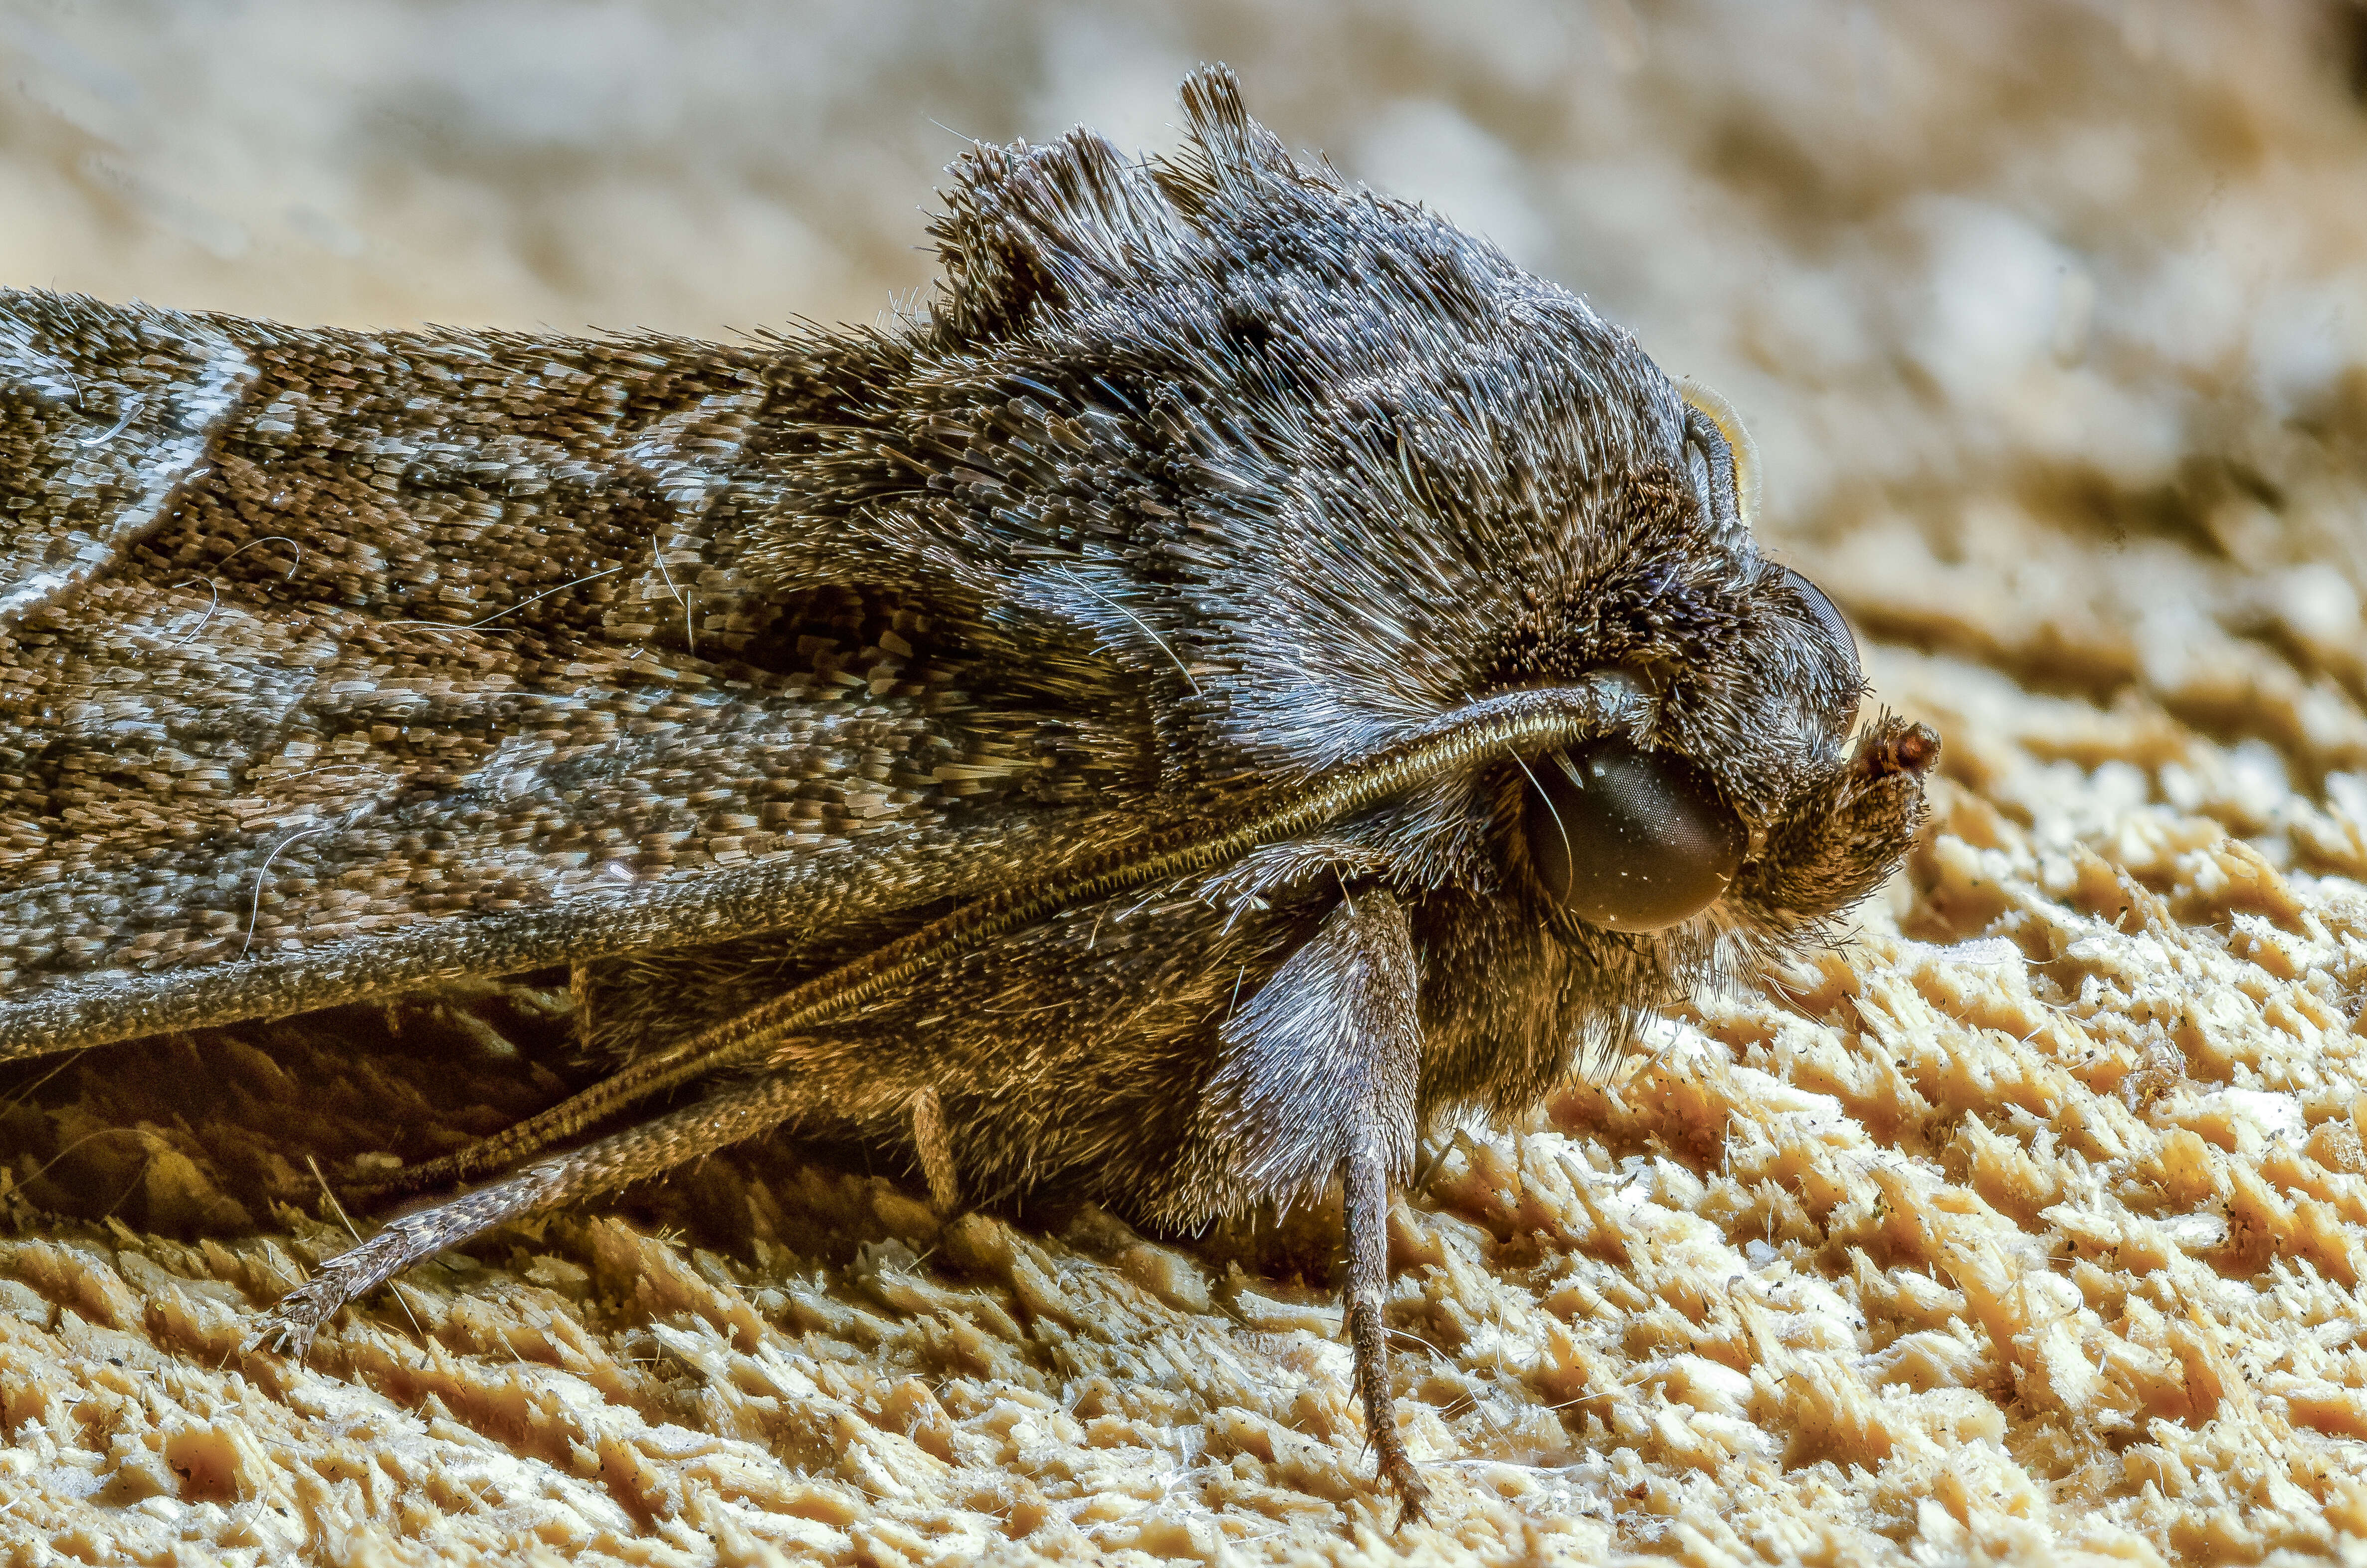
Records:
x=1629, y=840
x=1827, y=614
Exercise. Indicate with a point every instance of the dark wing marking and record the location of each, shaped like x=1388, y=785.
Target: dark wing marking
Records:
x=89, y=461
x=513, y=698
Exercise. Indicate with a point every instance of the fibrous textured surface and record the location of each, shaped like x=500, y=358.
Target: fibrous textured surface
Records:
x=2030, y=1226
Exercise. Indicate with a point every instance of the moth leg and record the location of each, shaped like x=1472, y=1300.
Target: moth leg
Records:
x=936, y=1149
x=1317, y=1078
x=738, y=1111
x=516, y=1141
x=1380, y=996
x=1365, y=1187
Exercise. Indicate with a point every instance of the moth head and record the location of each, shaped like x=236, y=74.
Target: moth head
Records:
x=1744, y=797
x=1618, y=837
x=1320, y=470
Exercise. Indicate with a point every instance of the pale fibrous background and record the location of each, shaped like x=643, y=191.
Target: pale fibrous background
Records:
x=2031, y=1226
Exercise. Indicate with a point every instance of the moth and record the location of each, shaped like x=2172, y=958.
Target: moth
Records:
x=1246, y=675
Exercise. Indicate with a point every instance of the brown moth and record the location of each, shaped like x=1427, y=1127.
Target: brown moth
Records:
x=1248, y=675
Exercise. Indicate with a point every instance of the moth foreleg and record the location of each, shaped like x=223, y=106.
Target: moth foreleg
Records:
x=1381, y=999
x=1365, y=1188
x=1316, y=1078
x=737, y=1111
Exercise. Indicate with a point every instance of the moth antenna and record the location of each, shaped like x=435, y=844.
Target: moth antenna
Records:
x=1532, y=719
x=1742, y=452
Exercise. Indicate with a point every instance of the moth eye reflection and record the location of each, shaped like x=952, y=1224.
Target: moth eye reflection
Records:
x=1629, y=840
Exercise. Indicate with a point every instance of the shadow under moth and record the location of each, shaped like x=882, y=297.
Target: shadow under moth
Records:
x=1247, y=674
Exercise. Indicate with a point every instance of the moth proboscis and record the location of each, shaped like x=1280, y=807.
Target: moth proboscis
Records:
x=1247, y=674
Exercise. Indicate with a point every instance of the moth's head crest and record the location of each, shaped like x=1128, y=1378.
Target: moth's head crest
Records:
x=1031, y=233
x=1328, y=467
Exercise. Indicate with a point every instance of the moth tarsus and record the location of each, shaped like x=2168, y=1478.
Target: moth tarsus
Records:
x=1248, y=676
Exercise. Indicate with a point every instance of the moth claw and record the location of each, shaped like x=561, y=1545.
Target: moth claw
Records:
x=1413, y=1496
x=284, y=1333
x=290, y=1326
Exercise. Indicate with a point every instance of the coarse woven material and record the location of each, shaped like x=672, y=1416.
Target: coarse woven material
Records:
x=2030, y=1225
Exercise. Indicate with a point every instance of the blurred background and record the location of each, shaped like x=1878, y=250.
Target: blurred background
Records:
x=2050, y=318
